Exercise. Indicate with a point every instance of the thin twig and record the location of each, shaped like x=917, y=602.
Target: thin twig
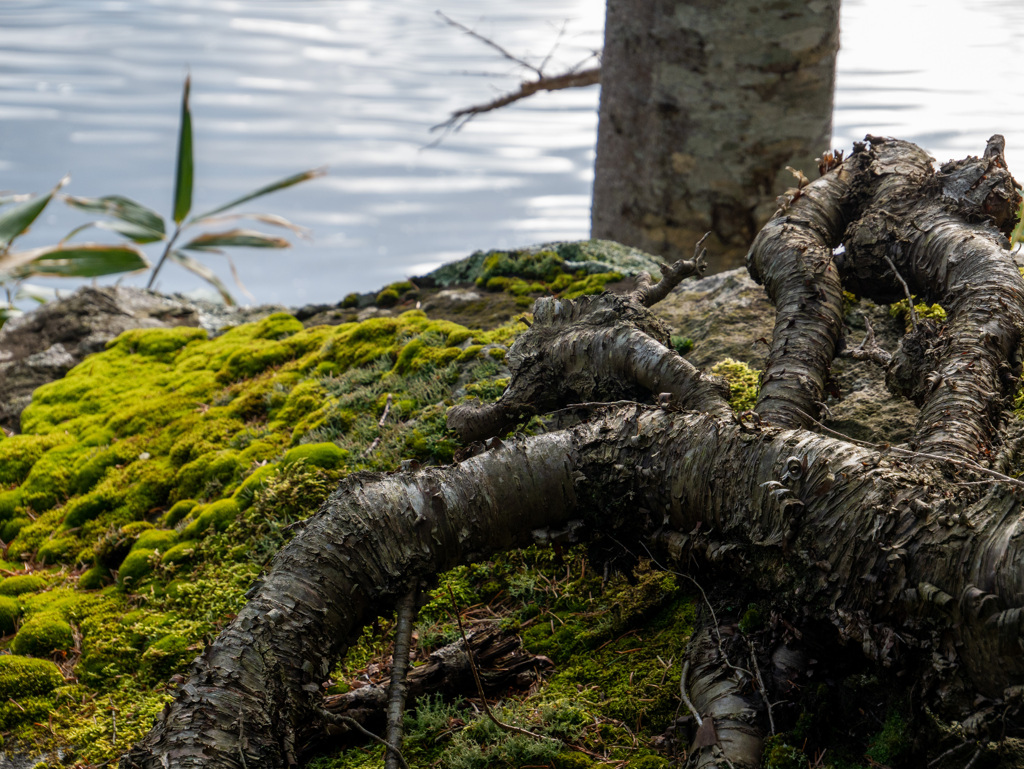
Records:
x=487, y=41
x=760, y=684
x=335, y=718
x=963, y=463
x=906, y=290
x=406, y=614
x=479, y=685
x=387, y=410
x=649, y=294
x=544, y=83
x=955, y=749
x=714, y=617
x=868, y=349
x=686, y=697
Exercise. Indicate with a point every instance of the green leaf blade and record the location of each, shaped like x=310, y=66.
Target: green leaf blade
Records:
x=88, y=260
x=203, y=272
x=280, y=184
x=143, y=221
x=183, y=173
x=18, y=218
x=213, y=241
x=1017, y=236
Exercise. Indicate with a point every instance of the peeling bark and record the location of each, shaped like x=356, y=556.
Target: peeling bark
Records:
x=914, y=557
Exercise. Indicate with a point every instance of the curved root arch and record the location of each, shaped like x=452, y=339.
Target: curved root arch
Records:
x=908, y=557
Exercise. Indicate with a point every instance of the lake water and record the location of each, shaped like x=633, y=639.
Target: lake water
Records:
x=92, y=87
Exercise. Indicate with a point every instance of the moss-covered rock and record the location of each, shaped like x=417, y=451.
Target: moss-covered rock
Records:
x=21, y=583
x=136, y=565
x=10, y=612
x=94, y=578
x=183, y=552
x=24, y=676
x=326, y=455
x=179, y=510
x=43, y=634
x=159, y=540
x=164, y=656
x=217, y=516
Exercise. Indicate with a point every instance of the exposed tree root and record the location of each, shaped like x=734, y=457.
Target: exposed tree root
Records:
x=912, y=556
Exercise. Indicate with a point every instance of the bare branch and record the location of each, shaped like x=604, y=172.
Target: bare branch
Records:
x=542, y=83
x=649, y=294
x=492, y=44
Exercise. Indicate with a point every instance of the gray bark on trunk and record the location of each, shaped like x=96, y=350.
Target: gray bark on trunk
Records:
x=703, y=105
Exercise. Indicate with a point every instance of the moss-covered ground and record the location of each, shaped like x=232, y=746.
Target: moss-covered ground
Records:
x=152, y=484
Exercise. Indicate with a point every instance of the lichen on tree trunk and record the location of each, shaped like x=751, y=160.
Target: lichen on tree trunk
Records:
x=912, y=555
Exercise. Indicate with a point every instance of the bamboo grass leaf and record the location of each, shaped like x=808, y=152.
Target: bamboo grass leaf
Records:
x=203, y=272
x=19, y=217
x=135, y=221
x=183, y=174
x=1017, y=236
x=271, y=219
x=273, y=187
x=88, y=260
x=213, y=241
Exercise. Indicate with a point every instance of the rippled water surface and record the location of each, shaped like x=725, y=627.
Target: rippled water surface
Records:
x=93, y=87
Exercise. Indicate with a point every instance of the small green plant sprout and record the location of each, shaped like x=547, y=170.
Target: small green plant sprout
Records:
x=1017, y=236
x=84, y=260
x=142, y=225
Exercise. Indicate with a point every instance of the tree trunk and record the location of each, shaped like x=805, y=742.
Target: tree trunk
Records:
x=703, y=105
x=913, y=556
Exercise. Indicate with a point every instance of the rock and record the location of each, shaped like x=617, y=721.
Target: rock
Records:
x=728, y=315
x=44, y=344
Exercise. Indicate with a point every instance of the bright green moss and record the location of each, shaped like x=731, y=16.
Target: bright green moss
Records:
x=387, y=298
x=257, y=480
x=280, y=325
x=10, y=503
x=591, y=284
x=22, y=583
x=160, y=343
x=160, y=540
x=10, y=612
x=59, y=550
x=19, y=453
x=744, y=383
x=42, y=635
x=136, y=565
x=62, y=601
x=23, y=676
x=152, y=421
x=179, y=510
x=94, y=578
x=326, y=455
x=93, y=466
x=115, y=542
x=217, y=515
x=165, y=656
x=208, y=474
x=458, y=336
x=90, y=506
x=901, y=309
x=183, y=552
x=11, y=528
x=350, y=300
x=471, y=352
